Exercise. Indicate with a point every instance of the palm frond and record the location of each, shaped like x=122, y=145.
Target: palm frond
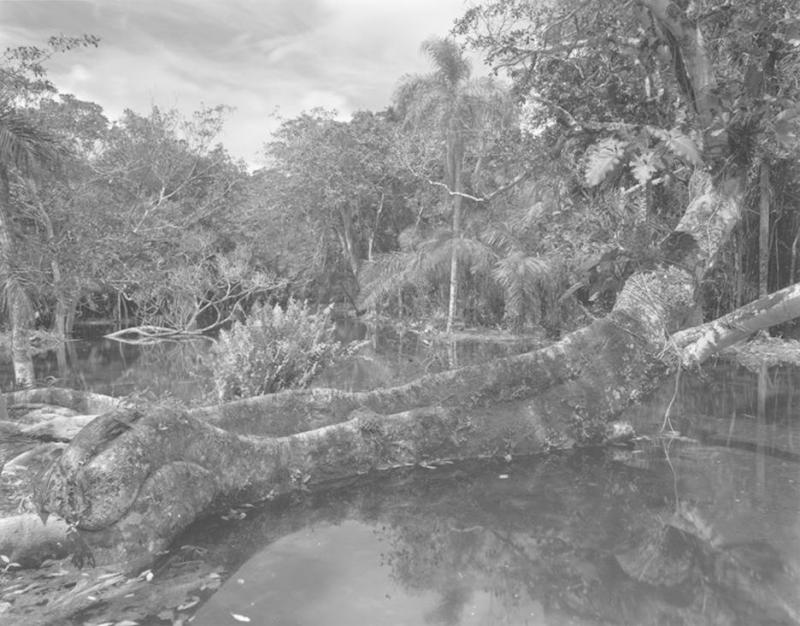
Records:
x=24, y=145
x=502, y=237
x=13, y=291
x=421, y=101
x=384, y=275
x=479, y=257
x=527, y=281
x=448, y=59
x=433, y=259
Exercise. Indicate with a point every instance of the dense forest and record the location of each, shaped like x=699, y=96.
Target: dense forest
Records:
x=522, y=200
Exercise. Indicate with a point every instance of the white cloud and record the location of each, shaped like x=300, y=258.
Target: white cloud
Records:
x=254, y=56
x=325, y=100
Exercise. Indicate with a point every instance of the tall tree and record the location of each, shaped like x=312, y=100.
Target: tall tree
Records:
x=453, y=110
x=658, y=91
x=170, y=239
x=62, y=208
x=22, y=147
x=339, y=179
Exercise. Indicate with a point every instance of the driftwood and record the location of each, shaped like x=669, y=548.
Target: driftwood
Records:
x=147, y=334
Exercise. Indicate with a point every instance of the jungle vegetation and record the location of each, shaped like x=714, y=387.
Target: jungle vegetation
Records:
x=517, y=195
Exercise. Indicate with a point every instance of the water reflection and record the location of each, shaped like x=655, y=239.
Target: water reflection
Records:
x=699, y=530
x=174, y=368
x=658, y=536
x=168, y=369
x=329, y=575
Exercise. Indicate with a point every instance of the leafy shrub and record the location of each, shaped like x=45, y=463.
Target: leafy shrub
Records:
x=273, y=349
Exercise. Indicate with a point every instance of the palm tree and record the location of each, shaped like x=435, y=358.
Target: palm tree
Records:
x=454, y=111
x=427, y=262
x=23, y=147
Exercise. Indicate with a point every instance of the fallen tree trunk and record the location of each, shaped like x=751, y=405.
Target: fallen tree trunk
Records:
x=130, y=481
x=700, y=342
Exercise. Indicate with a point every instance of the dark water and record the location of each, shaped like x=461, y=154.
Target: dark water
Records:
x=175, y=368
x=697, y=531
x=702, y=529
x=117, y=369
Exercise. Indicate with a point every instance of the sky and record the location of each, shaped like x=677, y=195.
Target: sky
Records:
x=262, y=57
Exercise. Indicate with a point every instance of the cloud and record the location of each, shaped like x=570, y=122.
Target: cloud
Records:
x=254, y=55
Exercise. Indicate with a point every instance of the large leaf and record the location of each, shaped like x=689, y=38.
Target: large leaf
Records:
x=602, y=158
x=785, y=126
x=644, y=167
x=683, y=147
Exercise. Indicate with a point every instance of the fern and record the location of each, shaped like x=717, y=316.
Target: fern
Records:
x=273, y=349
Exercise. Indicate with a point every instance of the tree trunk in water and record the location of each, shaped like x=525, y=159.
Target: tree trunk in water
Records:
x=763, y=230
x=21, y=324
x=699, y=343
x=132, y=481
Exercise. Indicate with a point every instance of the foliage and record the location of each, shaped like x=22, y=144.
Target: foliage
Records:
x=452, y=123
x=273, y=349
x=200, y=297
x=647, y=151
x=516, y=201
x=22, y=69
x=638, y=109
x=179, y=252
x=337, y=189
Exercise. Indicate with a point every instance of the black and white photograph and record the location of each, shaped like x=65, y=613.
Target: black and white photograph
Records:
x=425, y=313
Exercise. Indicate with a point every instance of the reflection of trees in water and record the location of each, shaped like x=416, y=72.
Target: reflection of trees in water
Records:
x=163, y=370
x=726, y=391
x=394, y=357
x=172, y=370
x=606, y=544
x=570, y=539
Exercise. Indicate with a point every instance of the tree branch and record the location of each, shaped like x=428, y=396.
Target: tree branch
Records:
x=701, y=342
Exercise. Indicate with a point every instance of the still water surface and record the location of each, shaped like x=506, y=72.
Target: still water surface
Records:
x=703, y=529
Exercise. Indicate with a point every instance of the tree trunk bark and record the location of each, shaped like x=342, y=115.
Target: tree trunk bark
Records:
x=21, y=323
x=763, y=230
x=347, y=240
x=17, y=304
x=453, y=296
x=699, y=343
x=457, y=157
